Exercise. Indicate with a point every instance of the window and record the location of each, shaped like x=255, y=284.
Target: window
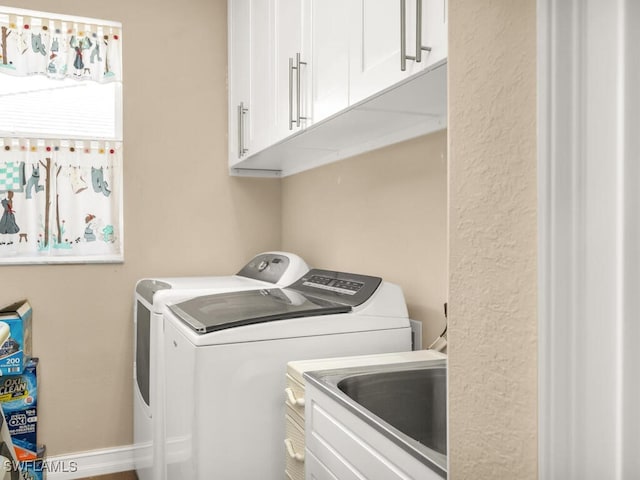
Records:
x=39, y=106
x=60, y=138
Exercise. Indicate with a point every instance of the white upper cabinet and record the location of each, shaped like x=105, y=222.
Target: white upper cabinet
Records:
x=331, y=23
x=238, y=72
x=291, y=68
x=385, y=40
x=314, y=81
x=261, y=59
x=250, y=66
x=375, y=48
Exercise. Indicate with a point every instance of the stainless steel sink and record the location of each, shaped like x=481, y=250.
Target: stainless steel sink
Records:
x=405, y=402
x=413, y=401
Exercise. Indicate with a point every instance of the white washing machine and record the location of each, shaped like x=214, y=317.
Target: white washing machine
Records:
x=226, y=359
x=263, y=271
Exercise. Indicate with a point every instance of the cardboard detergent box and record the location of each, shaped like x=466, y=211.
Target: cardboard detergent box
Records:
x=15, y=337
x=35, y=469
x=19, y=400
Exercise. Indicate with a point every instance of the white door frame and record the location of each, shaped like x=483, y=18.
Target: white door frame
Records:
x=589, y=239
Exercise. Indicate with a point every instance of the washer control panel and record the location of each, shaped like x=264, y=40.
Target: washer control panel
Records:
x=346, y=288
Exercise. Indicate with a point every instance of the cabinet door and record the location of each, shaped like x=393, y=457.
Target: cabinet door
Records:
x=331, y=24
x=260, y=126
x=238, y=72
x=291, y=81
x=250, y=73
x=376, y=48
x=377, y=43
x=315, y=469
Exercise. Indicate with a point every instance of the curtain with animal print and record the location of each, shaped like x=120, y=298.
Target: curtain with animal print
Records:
x=59, y=49
x=61, y=201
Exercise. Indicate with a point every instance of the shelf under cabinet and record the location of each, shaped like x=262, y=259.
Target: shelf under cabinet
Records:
x=414, y=107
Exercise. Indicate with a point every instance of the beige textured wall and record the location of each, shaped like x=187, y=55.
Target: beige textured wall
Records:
x=382, y=213
x=492, y=246
x=183, y=215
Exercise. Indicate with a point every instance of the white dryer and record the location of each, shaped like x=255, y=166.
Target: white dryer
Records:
x=226, y=359
x=263, y=271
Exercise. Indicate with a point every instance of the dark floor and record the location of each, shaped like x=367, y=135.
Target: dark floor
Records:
x=115, y=476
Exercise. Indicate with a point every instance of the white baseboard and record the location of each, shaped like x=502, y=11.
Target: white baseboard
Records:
x=91, y=463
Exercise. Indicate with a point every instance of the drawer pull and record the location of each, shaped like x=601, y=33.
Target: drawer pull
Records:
x=299, y=457
x=295, y=67
x=403, y=32
x=292, y=398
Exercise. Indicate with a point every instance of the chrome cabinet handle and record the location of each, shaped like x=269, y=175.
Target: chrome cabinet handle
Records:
x=295, y=67
x=242, y=111
x=403, y=35
x=239, y=113
x=291, y=93
x=419, y=46
x=298, y=74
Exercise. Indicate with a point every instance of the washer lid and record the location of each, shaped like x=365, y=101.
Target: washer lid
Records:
x=220, y=311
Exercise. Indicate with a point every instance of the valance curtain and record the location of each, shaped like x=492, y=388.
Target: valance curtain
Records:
x=59, y=49
x=60, y=201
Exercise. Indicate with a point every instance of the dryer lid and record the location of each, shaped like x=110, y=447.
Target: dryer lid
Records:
x=210, y=313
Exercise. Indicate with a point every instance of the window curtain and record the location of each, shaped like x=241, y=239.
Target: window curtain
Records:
x=60, y=198
x=59, y=49
x=60, y=201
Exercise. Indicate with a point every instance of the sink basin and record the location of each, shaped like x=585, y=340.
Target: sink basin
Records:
x=407, y=403
x=413, y=401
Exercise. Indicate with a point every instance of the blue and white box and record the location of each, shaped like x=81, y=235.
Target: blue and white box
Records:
x=19, y=400
x=15, y=337
x=35, y=469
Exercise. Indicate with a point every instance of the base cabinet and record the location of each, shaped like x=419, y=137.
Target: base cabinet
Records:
x=341, y=446
x=316, y=470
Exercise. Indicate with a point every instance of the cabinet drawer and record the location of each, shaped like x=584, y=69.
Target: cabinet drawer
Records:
x=316, y=470
x=294, y=449
x=351, y=449
x=295, y=416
